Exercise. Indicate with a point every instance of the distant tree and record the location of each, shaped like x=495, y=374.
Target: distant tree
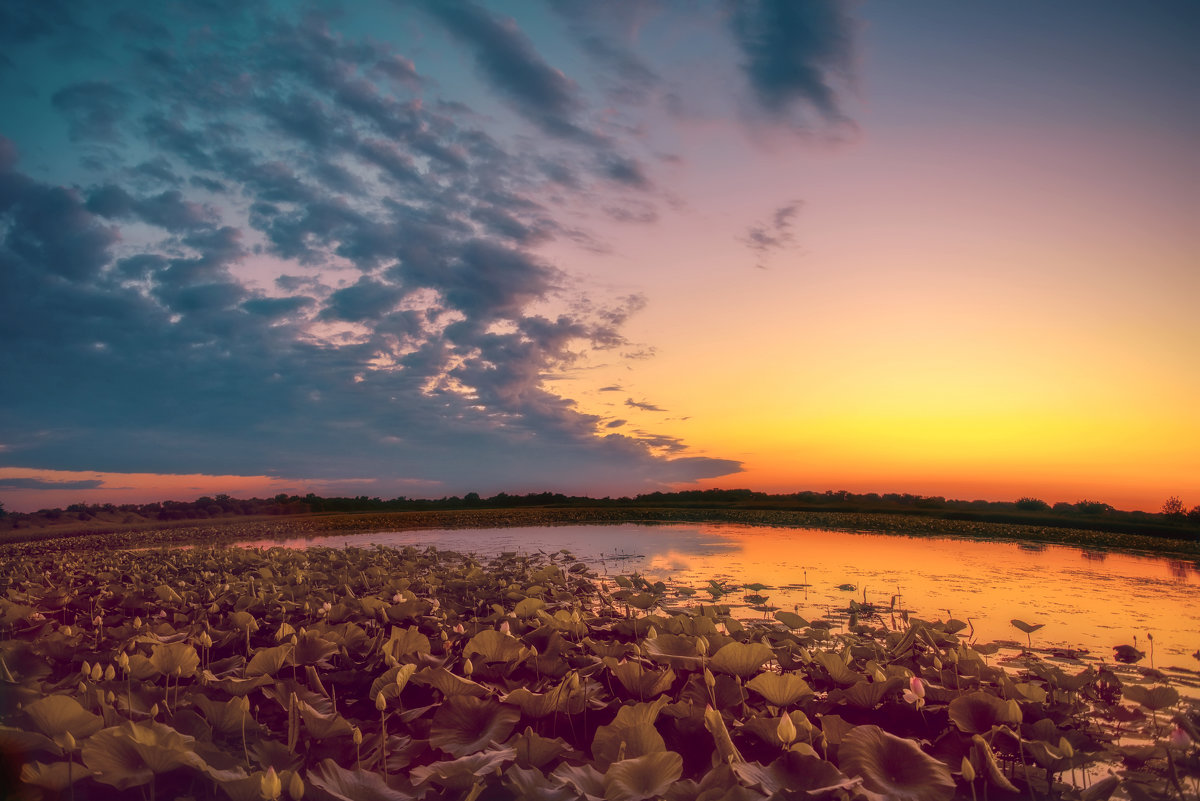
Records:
x=1173, y=507
x=1033, y=505
x=1194, y=515
x=1092, y=507
x=2, y=510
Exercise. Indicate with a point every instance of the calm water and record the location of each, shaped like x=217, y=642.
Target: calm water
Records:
x=1087, y=600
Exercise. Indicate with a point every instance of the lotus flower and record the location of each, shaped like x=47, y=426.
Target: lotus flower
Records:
x=915, y=694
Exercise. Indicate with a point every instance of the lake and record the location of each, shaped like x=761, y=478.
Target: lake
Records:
x=1086, y=600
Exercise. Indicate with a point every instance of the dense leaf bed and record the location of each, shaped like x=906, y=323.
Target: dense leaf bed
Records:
x=379, y=673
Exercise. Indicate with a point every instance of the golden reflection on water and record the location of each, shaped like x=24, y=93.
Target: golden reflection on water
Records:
x=1085, y=599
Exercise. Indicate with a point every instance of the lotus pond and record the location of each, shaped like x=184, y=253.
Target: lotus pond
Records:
x=419, y=672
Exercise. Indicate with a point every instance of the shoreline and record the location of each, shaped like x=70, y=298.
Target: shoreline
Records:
x=85, y=536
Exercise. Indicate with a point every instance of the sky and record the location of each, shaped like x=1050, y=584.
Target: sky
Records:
x=423, y=248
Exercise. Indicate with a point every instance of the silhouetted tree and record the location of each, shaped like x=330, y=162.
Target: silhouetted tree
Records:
x=1033, y=505
x=1173, y=507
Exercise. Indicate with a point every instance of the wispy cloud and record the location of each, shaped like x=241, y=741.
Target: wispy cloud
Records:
x=774, y=233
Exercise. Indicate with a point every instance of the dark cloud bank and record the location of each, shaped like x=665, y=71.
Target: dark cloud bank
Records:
x=146, y=320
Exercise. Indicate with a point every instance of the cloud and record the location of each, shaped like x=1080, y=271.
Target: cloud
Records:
x=93, y=109
x=793, y=53
x=298, y=255
x=775, y=233
x=645, y=407
x=19, y=483
x=507, y=60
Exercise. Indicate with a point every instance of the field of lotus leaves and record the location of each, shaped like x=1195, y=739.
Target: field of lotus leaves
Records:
x=375, y=674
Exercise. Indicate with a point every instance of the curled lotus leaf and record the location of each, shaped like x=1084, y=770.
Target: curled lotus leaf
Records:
x=982, y=757
x=780, y=689
x=494, y=646
x=1152, y=698
x=584, y=779
x=465, y=725
x=175, y=659
x=233, y=685
x=322, y=725
x=1028, y=628
x=893, y=766
x=978, y=712
x=56, y=776
x=57, y=715
x=741, y=659
x=562, y=698
x=461, y=773
x=343, y=784
x=633, y=729
x=226, y=717
x=868, y=694
x=642, y=777
x=269, y=661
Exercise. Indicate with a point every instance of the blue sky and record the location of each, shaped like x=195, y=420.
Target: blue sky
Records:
x=426, y=248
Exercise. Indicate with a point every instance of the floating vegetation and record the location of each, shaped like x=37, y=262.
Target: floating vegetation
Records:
x=406, y=674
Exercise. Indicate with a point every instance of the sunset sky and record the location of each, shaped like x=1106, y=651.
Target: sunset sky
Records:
x=428, y=248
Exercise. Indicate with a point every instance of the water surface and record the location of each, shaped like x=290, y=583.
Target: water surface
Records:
x=1087, y=600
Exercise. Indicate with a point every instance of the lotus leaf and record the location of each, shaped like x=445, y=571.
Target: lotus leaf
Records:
x=235, y=686
x=57, y=715
x=791, y=619
x=536, y=751
x=353, y=785
x=893, y=766
x=461, y=773
x=1154, y=699
x=56, y=776
x=313, y=649
x=639, y=680
x=741, y=659
x=530, y=784
x=528, y=607
x=131, y=754
x=983, y=757
x=407, y=642
x=836, y=667
x=633, y=730
x=563, y=698
x=227, y=717
x=269, y=661
x=780, y=689
x=795, y=772
x=642, y=777
x=978, y=712
x=449, y=684
x=465, y=725
x=494, y=646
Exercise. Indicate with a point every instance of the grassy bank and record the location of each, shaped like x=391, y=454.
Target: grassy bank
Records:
x=87, y=536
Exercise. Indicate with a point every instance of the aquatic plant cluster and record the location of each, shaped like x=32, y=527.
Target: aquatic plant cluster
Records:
x=396, y=674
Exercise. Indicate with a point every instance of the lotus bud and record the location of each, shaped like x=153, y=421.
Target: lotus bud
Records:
x=123, y=661
x=97, y=672
x=110, y=698
x=380, y=702
x=702, y=646
x=709, y=679
x=937, y=663
x=1179, y=739
x=467, y=667
x=445, y=637
x=245, y=703
x=878, y=675
x=67, y=631
x=786, y=730
x=504, y=627
x=205, y=640
x=652, y=633
x=85, y=669
x=917, y=686
x=968, y=770
x=270, y=787
x=357, y=734
x=154, y=711
x=1014, y=711
x=81, y=687
x=458, y=629
x=137, y=622
x=110, y=673
x=69, y=741
x=295, y=787
x=1065, y=746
